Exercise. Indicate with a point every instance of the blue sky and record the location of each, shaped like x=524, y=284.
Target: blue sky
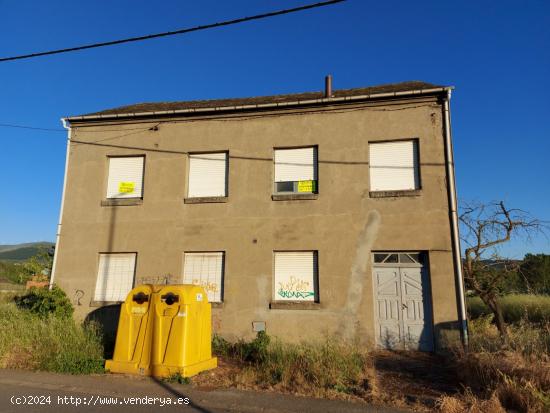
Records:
x=495, y=53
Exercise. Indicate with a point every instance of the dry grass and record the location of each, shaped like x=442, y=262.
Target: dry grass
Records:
x=514, y=375
x=468, y=402
x=491, y=377
x=320, y=369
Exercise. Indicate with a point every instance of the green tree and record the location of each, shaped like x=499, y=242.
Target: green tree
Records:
x=535, y=270
x=39, y=264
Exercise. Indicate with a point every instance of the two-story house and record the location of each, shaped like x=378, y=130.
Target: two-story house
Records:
x=313, y=214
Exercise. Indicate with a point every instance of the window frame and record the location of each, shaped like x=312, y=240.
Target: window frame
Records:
x=94, y=301
x=306, y=303
x=295, y=184
x=207, y=198
x=222, y=275
x=107, y=175
x=377, y=193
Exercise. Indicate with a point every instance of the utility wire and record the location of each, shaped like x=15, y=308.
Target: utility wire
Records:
x=8, y=125
x=175, y=32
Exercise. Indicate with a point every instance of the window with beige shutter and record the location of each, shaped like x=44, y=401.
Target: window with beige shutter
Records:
x=205, y=269
x=125, y=178
x=295, y=276
x=296, y=170
x=208, y=175
x=393, y=166
x=115, y=276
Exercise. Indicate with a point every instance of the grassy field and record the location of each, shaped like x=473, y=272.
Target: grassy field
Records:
x=517, y=307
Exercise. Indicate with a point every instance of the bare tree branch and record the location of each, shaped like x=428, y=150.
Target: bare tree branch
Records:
x=485, y=227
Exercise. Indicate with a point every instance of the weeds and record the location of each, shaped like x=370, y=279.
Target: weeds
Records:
x=178, y=378
x=51, y=343
x=317, y=368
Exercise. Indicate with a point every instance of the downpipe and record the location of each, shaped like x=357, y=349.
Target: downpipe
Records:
x=58, y=232
x=454, y=217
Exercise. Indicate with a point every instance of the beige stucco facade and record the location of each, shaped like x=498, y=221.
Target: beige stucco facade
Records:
x=344, y=222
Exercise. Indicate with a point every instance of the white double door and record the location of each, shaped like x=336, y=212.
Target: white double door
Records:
x=403, y=308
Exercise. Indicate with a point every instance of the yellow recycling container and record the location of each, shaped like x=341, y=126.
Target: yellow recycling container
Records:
x=134, y=333
x=182, y=331
x=163, y=330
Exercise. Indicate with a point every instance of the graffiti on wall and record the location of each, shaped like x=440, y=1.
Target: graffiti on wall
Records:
x=209, y=286
x=163, y=279
x=212, y=287
x=295, y=289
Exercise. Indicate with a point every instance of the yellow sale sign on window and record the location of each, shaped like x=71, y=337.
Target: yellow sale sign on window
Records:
x=306, y=186
x=126, y=187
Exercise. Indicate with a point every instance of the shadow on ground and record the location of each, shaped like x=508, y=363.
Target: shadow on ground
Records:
x=418, y=376
x=178, y=394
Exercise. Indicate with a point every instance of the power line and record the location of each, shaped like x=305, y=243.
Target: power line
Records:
x=175, y=32
x=8, y=125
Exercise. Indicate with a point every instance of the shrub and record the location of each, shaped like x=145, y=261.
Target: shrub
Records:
x=43, y=302
x=220, y=345
x=50, y=343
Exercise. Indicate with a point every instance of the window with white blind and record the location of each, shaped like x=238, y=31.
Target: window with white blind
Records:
x=115, y=276
x=125, y=177
x=208, y=175
x=296, y=170
x=393, y=166
x=205, y=269
x=296, y=276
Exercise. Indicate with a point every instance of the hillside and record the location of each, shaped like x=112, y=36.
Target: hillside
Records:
x=22, y=252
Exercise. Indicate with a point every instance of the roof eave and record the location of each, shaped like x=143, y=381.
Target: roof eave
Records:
x=307, y=102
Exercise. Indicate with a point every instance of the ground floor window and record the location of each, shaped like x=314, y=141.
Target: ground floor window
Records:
x=115, y=276
x=296, y=276
x=205, y=269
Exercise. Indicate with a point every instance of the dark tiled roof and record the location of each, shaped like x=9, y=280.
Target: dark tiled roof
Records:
x=200, y=104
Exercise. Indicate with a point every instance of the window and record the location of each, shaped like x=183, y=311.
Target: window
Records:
x=296, y=170
x=115, y=276
x=394, y=166
x=125, y=177
x=205, y=269
x=208, y=175
x=296, y=276
x=398, y=258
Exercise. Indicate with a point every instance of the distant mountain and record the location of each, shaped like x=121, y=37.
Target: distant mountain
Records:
x=22, y=252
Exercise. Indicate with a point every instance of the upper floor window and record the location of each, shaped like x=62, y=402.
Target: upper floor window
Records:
x=125, y=177
x=394, y=166
x=208, y=175
x=296, y=170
